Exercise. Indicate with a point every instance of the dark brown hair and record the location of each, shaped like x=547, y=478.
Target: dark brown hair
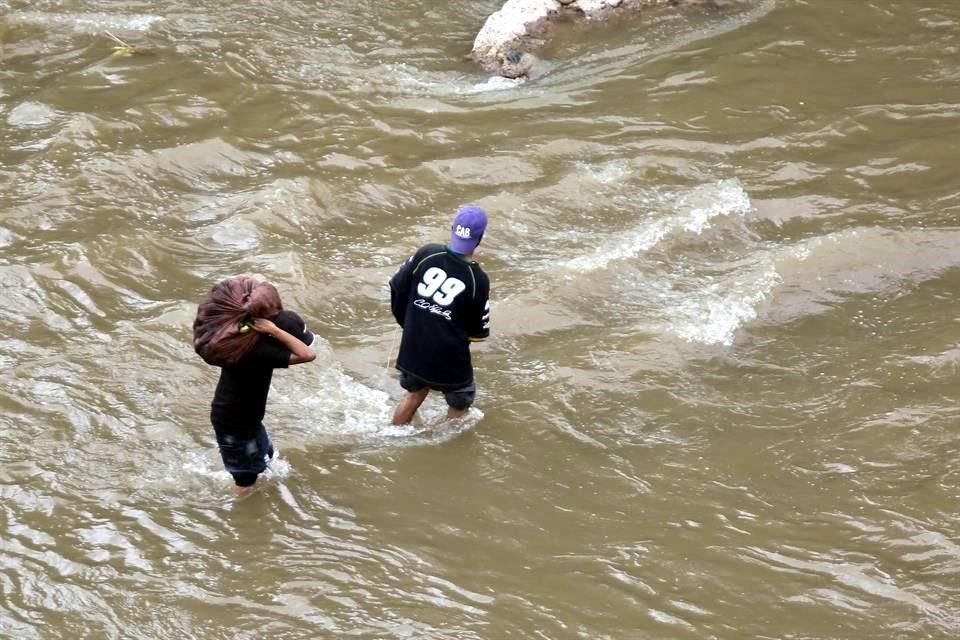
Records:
x=217, y=334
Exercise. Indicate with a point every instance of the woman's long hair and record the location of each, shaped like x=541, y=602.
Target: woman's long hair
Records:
x=217, y=333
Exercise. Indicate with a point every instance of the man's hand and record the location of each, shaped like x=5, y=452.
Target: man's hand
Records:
x=262, y=325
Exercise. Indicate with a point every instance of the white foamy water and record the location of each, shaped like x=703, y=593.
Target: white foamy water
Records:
x=714, y=311
x=90, y=22
x=31, y=114
x=784, y=282
x=659, y=217
x=326, y=406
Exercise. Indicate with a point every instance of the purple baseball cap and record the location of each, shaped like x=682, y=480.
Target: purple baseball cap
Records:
x=467, y=229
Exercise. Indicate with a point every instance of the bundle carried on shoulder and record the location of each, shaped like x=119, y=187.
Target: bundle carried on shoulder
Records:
x=222, y=331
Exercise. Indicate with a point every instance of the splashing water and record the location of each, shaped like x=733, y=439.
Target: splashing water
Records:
x=693, y=213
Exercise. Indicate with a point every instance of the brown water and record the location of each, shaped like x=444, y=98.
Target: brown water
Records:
x=720, y=397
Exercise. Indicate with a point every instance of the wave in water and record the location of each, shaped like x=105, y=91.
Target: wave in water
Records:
x=690, y=212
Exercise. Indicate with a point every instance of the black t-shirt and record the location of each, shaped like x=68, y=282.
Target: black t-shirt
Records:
x=441, y=300
x=240, y=401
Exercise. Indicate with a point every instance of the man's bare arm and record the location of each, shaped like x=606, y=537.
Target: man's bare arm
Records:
x=299, y=352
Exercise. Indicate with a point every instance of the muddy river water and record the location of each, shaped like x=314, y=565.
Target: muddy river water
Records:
x=719, y=399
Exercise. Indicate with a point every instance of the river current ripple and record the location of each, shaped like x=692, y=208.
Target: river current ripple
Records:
x=720, y=395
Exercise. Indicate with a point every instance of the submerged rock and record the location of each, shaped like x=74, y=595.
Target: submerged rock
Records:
x=502, y=44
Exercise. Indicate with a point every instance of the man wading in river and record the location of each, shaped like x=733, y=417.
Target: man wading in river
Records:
x=440, y=299
x=243, y=328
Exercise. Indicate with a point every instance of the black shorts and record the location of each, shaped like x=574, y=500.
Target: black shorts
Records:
x=459, y=399
x=245, y=457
